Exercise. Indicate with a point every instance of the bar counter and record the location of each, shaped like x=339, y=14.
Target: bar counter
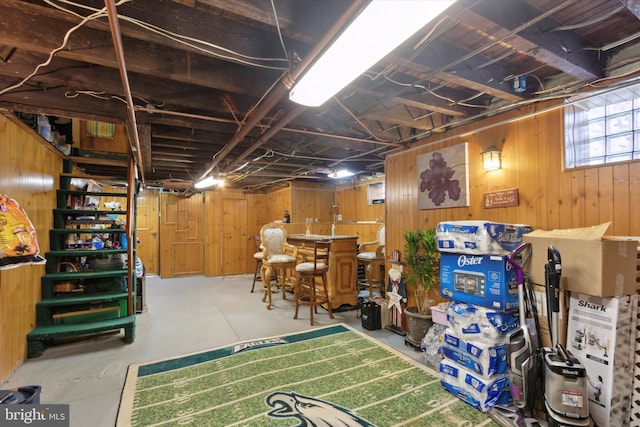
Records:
x=342, y=278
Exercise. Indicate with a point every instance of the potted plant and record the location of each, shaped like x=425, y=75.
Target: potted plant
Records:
x=423, y=260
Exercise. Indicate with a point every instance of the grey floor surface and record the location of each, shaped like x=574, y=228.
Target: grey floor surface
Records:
x=182, y=316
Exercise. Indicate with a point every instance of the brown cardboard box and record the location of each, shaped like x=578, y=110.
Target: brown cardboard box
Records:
x=543, y=319
x=591, y=263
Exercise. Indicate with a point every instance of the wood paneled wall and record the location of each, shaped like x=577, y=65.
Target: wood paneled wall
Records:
x=532, y=154
x=353, y=202
x=311, y=201
x=217, y=205
x=29, y=173
x=279, y=200
x=182, y=233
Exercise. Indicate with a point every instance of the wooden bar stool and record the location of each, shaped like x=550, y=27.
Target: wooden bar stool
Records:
x=373, y=261
x=306, y=273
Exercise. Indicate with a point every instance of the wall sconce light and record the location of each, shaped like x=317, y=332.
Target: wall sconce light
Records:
x=491, y=160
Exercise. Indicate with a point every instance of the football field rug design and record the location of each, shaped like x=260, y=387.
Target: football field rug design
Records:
x=331, y=376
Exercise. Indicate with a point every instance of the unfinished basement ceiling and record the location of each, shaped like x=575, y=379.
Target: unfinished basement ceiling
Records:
x=207, y=78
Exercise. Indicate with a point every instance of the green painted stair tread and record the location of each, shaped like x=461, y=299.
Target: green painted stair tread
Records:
x=72, y=275
x=77, y=329
x=82, y=299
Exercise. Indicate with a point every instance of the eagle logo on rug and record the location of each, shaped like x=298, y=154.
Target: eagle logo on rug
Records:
x=312, y=412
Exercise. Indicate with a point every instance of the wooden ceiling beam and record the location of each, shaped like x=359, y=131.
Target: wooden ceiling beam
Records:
x=94, y=47
x=562, y=50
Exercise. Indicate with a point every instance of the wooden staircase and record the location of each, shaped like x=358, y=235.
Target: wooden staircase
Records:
x=85, y=289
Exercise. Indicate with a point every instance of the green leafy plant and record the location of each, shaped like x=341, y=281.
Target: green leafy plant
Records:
x=423, y=259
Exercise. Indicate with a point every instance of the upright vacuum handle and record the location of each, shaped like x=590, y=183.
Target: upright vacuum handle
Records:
x=553, y=271
x=518, y=258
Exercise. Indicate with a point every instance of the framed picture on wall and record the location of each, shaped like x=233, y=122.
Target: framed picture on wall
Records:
x=443, y=178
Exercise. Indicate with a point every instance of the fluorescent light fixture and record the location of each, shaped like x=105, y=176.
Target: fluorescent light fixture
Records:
x=343, y=173
x=208, y=182
x=379, y=29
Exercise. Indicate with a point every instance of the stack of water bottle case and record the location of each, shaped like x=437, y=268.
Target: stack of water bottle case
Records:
x=482, y=289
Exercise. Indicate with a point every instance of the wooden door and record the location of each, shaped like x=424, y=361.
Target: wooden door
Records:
x=147, y=230
x=234, y=236
x=181, y=236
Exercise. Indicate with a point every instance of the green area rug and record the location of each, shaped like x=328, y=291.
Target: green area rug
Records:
x=332, y=376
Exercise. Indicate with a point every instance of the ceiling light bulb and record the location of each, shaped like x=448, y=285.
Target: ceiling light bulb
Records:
x=208, y=182
x=343, y=173
x=379, y=29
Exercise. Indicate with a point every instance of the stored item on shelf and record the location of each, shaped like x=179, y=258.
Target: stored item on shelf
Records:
x=485, y=280
x=18, y=241
x=594, y=264
x=481, y=393
x=480, y=323
x=67, y=286
x=485, y=359
x=600, y=333
x=479, y=237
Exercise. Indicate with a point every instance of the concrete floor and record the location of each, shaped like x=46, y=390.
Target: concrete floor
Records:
x=183, y=315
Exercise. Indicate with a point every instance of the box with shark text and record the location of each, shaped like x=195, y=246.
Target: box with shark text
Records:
x=600, y=334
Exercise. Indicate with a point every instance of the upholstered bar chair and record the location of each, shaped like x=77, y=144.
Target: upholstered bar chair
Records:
x=306, y=291
x=371, y=256
x=277, y=255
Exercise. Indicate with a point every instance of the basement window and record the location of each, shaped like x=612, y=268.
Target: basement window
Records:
x=602, y=129
x=375, y=193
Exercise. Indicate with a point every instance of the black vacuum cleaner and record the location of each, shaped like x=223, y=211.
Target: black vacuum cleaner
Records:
x=564, y=376
x=550, y=379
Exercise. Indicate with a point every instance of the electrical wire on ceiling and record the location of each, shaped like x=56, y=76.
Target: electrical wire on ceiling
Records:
x=98, y=14
x=590, y=22
x=277, y=21
x=191, y=42
x=433, y=92
x=279, y=79
x=357, y=120
x=105, y=96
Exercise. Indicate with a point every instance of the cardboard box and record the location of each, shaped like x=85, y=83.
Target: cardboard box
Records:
x=485, y=280
x=543, y=316
x=591, y=263
x=600, y=334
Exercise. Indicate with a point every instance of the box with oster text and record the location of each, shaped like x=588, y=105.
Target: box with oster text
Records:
x=592, y=263
x=485, y=280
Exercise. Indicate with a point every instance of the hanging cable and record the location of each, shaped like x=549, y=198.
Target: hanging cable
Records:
x=98, y=14
x=182, y=39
